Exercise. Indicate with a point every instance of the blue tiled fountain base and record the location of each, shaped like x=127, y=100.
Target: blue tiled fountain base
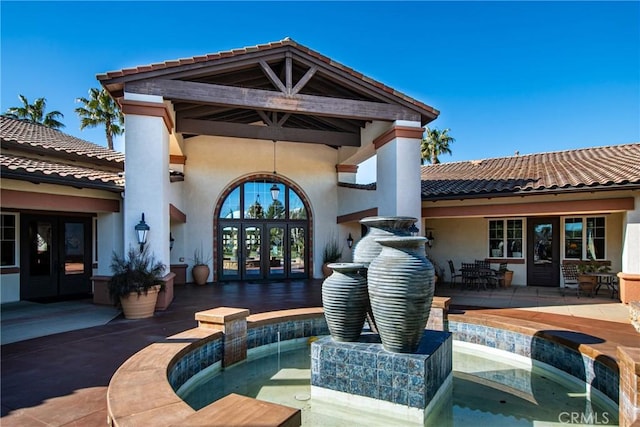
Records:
x=366, y=369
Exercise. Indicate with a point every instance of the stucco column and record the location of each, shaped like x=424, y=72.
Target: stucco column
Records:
x=398, y=170
x=630, y=275
x=147, y=127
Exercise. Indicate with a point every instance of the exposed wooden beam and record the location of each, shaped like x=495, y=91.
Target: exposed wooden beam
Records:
x=271, y=100
x=206, y=127
x=283, y=119
x=272, y=76
x=264, y=117
x=304, y=80
x=288, y=71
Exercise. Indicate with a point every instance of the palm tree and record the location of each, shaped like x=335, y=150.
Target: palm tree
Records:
x=35, y=113
x=101, y=109
x=435, y=143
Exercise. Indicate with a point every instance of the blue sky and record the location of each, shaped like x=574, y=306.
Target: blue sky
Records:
x=506, y=76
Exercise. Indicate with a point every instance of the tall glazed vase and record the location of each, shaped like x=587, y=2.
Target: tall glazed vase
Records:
x=345, y=299
x=401, y=284
x=367, y=248
x=379, y=226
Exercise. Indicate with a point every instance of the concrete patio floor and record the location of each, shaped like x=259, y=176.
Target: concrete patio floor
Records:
x=61, y=379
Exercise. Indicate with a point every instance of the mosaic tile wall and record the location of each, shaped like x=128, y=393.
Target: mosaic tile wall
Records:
x=364, y=368
x=212, y=352
x=194, y=362
x=600, y=376
x=268, y=334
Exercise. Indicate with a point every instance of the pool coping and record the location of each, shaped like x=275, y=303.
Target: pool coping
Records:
x=140, y=392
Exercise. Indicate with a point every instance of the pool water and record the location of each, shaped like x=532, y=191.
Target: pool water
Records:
x=489, y=388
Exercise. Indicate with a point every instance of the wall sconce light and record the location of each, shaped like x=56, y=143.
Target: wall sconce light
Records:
x=141, y=230
x=350, y=241
x=430, y=239
x=171, y=240
x=413, y=230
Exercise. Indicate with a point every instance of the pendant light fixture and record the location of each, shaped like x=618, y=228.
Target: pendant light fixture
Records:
x=275, y=190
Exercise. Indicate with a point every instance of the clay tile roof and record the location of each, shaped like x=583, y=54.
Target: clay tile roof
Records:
x=263, y=47
x=24, y=168
x=34, y=137
x=616, y=166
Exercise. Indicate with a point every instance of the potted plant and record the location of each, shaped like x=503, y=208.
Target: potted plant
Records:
x=331, y=253
x=588, y=282
x=200, y=270
x=437, y=269
x=506, y=275
x=137, y=278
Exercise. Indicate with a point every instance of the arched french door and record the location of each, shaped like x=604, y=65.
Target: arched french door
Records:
x=262, y=232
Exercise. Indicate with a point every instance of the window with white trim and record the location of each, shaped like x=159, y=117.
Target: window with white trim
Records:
x=585, y=237
x=505, y=238
x=8, y=239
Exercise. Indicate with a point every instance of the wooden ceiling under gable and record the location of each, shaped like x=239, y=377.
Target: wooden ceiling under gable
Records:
x=280, y=94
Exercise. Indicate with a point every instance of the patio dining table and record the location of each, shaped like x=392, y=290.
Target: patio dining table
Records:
x=609, y=280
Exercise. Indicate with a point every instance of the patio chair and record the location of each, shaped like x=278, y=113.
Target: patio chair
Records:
x=454, y=275
x=485, y=273
x=570, y=276
x=471, y=275
x=499, y=273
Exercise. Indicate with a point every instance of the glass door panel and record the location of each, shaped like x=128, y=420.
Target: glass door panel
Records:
x=543, y=238
x=276, y=251
x=74, y=255
x=297, y=251
x=543, y=254
x=41, y=249
x=253, y=252
x=230, y=267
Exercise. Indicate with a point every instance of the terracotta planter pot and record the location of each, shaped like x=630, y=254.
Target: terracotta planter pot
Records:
x=141, y=306
x=587, y=283
x=508, y=278
x=326, y=271
x=200, y=274
x=345, y=299
x=629, y=287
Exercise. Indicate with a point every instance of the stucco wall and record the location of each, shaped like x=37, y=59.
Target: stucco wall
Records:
x=465, y=239
x=352, y=200
x=214, y=163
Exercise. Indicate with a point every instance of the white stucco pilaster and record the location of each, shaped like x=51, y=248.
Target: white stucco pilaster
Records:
x=109, y=240
x=398, y=171
x=631, y=240
x=147, y=178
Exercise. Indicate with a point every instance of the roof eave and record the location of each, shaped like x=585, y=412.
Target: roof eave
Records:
x=10, y=144
x=38, y=178
x=538, y=192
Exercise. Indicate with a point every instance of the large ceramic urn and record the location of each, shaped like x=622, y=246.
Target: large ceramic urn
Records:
x=379, y=226
x=345, y=299
x=401, y=284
